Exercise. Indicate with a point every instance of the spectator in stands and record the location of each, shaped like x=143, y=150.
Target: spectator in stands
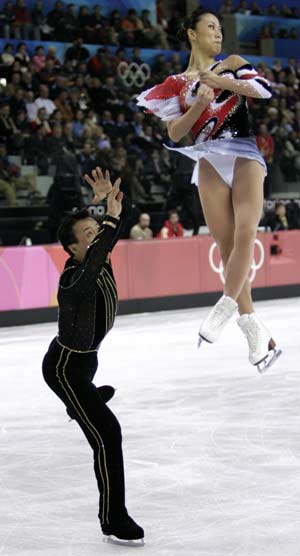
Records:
x=51, y=55
x=77, y=53
x=284, y=217
x=101, y=138
x=39, y=59
x=68, y=138
x=161, y=17
x=11, y=180
x=17, y=102
x=22, y=56
x=132, y=28
x=41, y=120
x=86, y=25
x=23, y=23
x=47, y=75
x=272, y=10
x=7, y=57
x=265, y=143
x=8, y=129
x=44, y=101
x=122, y=127
x=39, y=22
x=55, y=144
x=285, y=11
x=226, y=8
x=27, y=82
x=152, y=35
x=70, y=23
x=56, y=20
x=78, y=126
x=142, y=230
x=256, y=9
x=86, y=158
x=30, y=105
x=172, y=227
x=242, y=7
x=35, y=149
x=7, y=21
x=62, y=104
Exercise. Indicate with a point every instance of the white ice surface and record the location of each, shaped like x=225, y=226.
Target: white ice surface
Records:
x=212, y=449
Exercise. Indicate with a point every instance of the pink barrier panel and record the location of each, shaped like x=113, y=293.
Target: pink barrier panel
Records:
x=29, y=275
x=119, y=261
x=163, y=267
x=284, y=268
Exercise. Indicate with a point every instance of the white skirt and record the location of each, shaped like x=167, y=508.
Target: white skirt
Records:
x=222, y=154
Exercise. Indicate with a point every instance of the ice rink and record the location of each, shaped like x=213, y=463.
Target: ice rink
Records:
x=212, y=448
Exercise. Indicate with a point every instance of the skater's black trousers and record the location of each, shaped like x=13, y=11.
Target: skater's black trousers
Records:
x=69, y=374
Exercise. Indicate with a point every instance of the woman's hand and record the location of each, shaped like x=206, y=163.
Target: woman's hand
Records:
x=114, y=200
x=205, y=95
x=101, y=185
x=211, y=79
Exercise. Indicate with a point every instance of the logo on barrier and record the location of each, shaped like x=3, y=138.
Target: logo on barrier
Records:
x=134, y=74
x=255, y=266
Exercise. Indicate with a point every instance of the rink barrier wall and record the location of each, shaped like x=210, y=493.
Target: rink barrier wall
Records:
x=152, y=275
x=147, y=305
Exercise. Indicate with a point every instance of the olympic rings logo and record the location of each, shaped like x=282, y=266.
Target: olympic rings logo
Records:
x=134, y=74
x=255, y=266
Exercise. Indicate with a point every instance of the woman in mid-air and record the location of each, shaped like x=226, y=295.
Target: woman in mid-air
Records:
x=210, y=100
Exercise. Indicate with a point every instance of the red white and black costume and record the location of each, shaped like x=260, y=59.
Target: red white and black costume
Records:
x=222, y=133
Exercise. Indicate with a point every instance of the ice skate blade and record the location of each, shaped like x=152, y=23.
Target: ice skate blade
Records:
x=264, y=365
x=111, y=539
x=202, y=339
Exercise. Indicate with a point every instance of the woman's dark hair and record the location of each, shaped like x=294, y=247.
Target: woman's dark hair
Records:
x=190, y=22
x=65, y=231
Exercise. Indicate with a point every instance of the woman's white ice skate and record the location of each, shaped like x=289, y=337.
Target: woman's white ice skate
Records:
x=262, y=347
x=217, y=319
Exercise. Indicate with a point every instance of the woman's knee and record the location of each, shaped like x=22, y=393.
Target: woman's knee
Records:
x=225, y=246
x=245, y=234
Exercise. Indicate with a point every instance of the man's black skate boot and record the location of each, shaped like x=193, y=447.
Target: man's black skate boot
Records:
x=106, y=393
x=124, y=532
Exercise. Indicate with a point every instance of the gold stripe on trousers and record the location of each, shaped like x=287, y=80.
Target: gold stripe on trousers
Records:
x=62, y=379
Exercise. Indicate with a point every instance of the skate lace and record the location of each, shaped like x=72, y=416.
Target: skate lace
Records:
x=253, y=334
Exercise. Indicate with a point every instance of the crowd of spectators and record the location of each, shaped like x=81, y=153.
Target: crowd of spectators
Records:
x=66, y=22
x=277, y=123
x=83, y=108
x=247, y=7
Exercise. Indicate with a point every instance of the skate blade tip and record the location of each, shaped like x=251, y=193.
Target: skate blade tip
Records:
x=264, y=366
x=201, y=339
x=111, y=539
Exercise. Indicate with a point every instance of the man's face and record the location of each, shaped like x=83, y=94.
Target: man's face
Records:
x=85, y=231
x=174, y=218
x=144, y=221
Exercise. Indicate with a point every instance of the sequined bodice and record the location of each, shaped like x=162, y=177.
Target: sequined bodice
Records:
x=224, y=118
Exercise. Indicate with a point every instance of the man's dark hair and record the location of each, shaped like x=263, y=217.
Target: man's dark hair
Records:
x=65, y=231
x=190, y=22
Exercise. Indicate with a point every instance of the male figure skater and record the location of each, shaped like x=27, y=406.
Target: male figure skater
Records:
x=87, y=299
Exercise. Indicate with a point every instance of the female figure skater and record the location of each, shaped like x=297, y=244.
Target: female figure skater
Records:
x=210, y=100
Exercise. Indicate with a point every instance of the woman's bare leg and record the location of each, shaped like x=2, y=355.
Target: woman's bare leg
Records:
x=216, y=201
x=247, y=201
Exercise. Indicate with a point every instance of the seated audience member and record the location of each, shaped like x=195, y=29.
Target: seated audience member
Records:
x=44, y=101
x=142, y=229
x=11, y=179
x=39, y=59
x=172, y=227
x=280, y=220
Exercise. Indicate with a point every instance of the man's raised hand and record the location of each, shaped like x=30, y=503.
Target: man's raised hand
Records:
x=100, y=184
